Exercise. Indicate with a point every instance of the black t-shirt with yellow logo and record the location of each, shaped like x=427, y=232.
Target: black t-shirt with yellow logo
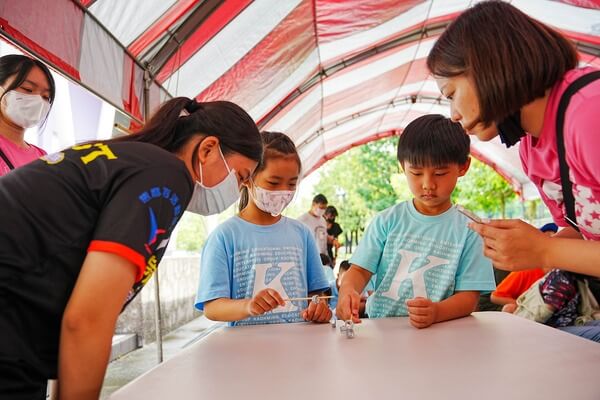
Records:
x=123, y=198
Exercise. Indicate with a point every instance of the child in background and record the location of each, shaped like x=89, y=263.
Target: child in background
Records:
x=517, y=282
x=253, y=262
x=429, y=264
x=327, y=267
x=335, y=286
x=315, y=221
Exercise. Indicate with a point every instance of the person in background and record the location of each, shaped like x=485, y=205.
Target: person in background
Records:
x=327, y=267
x=517, y=282
x=83, y=230
x=316, y=223
x=254, y=264
x=334, y=230
x=27, y=92
x=335, y=287
x=429, y=264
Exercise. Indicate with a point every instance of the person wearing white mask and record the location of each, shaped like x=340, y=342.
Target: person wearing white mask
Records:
x=254, y=262
x=316, y=222
x=27, y=92
x=84, y=229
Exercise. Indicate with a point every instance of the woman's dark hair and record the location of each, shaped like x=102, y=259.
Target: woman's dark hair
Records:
x=331, y=210
x=433, y=140
x=275, y=145
x=20, y=66
x=512, y=58
x=180, y=119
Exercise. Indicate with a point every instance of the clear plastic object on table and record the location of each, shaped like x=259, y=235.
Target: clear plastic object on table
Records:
x=348, y=329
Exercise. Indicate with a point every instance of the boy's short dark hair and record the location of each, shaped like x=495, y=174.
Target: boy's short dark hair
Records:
x=319, y=199
x=433, y=140
x=344, y=265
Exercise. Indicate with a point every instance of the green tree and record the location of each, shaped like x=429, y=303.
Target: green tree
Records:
x=191, y=232
x=359, y=182
x=484, y=190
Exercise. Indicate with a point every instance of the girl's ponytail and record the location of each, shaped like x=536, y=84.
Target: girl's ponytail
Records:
x=181, y=118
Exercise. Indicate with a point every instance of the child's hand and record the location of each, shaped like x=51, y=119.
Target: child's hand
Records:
x=348, y=305
x=264, y=301
x=317, y=312
x=422, y=312
x=509, y=308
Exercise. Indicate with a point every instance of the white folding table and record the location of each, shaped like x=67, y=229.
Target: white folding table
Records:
x=488, y=355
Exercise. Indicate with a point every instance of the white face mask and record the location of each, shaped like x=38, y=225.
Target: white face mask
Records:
x=271, y=201
x=25, y=110
x=213, y=200
x=318, y=211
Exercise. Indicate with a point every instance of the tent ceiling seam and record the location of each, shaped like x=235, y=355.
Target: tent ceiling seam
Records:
x=200, y=13
x=427, y=31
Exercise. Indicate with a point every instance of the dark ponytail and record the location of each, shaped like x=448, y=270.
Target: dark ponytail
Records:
x=180, y=119
x=276, y=145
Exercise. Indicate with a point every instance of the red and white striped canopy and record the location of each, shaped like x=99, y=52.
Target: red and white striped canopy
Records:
x=332, y=74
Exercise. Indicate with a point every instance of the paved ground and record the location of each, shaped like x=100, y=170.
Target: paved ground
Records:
x=130, y=366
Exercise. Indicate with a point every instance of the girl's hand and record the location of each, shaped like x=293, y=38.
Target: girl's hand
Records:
x=348, y=305
x=512, y=244
x=317, y=312
x=422, y=312
x=264, y=301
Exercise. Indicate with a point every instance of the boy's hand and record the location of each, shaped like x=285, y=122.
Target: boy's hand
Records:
x=264, y=301
x=422, y=312
x=317, y=312
x=348, y=305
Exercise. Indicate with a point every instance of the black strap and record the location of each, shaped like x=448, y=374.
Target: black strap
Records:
x=567, y=186
x=6, y=160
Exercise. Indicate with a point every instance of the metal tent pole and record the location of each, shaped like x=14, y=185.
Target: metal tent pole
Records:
x=157, y=319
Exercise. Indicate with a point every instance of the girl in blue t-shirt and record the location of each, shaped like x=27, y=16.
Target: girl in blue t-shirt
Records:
x=255, y=264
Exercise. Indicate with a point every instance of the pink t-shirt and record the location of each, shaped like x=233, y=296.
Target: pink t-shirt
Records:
x=582, y=147
x=18, y=156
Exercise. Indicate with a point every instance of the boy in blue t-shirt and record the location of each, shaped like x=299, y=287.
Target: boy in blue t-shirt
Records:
x=429, y=264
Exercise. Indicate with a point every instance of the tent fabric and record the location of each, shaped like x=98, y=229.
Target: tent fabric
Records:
x=332, y=74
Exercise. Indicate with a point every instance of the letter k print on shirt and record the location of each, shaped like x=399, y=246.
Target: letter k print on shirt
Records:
x=417, y=277
x=260, y=283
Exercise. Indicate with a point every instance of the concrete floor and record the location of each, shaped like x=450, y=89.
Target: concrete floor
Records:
x=128, y=367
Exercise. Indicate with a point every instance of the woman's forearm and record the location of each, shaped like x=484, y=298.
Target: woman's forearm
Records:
x=575, y=255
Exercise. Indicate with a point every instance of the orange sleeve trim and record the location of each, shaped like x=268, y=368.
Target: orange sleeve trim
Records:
x=121, y=250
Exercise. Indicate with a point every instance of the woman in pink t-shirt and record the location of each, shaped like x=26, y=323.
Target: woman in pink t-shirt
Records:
x=26, y=96
x=504, y=74
x=512, y=89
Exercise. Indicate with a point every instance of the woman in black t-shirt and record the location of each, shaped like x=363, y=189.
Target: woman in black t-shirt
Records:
x=83, y=230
